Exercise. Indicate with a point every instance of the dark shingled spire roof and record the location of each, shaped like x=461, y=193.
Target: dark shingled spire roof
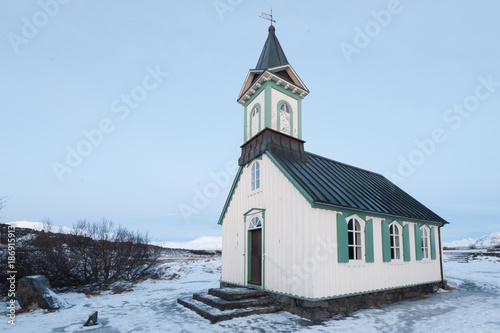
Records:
x=272, y=54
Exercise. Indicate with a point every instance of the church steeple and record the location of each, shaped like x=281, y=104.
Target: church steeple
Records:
x=272, y=93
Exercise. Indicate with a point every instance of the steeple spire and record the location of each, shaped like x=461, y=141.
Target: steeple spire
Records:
x=272, y=54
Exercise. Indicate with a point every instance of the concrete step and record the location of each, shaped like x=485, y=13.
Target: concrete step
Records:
x=223, y=304
x=215, y=315
x=234, y=294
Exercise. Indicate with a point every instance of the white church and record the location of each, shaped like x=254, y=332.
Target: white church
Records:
x=321, y=236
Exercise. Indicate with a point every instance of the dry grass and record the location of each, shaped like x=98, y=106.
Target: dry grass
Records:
x=21, y=310
x=172, y=277
x=89, y=293
x=448, y=287
x=120, y=290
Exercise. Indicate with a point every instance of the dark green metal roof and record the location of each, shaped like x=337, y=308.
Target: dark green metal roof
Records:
x=272, y=54
x=333, y=183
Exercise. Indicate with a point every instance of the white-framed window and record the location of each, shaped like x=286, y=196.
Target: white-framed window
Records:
x=256, y=176
x=425, y=242
x=395, y=234
x=284, y=118
x=255, y=223
x=354, y=239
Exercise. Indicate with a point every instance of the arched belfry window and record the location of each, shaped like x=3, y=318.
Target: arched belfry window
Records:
x=255, y=120
x=284, y=118
x=256, y=176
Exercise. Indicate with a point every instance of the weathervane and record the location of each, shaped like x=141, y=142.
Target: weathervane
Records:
x=268, y=17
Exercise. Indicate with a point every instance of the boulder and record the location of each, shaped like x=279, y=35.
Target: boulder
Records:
x=34, y=292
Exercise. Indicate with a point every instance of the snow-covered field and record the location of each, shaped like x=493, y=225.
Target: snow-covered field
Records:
x=151, y=307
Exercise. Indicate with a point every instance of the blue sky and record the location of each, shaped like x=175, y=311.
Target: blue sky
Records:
x=146, y=92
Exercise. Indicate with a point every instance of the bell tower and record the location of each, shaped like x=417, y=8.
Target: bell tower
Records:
x=272, y=94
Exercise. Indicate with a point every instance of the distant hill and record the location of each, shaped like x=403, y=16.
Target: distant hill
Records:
x=202, y=243
x=487, y=241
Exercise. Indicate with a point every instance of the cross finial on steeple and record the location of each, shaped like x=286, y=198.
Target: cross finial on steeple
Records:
x=268, y=17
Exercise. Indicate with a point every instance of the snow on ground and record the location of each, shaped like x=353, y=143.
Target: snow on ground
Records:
x=152, y=307
x=202, y=243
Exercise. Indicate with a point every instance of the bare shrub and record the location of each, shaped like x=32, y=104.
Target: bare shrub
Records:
x=93, y=253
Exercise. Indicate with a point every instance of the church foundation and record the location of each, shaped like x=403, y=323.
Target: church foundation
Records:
x=325, y=308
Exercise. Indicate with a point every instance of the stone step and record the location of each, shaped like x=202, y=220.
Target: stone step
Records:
x=223, y=304
x=234, y=294
x=216, y=315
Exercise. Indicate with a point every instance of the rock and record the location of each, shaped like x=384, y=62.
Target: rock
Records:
x=333, y=307
x=411, y=294
x=282, y=299
x=314, y=304
x=319, y=314
x=34, y=292
x=92, y=320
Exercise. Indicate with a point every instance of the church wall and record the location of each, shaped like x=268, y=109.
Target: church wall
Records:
x=286, y=238
x=335, y=279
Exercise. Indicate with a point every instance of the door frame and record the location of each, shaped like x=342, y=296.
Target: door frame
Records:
x=254, y=212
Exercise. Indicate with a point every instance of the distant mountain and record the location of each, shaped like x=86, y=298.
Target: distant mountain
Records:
x=490, y=240
x=202, y=243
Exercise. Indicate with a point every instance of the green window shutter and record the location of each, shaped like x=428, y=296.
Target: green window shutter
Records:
x=369, y=241
x=386, y=241
x=418, y=243
x=342, y=245
x=406, y=243
x=433, y=244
